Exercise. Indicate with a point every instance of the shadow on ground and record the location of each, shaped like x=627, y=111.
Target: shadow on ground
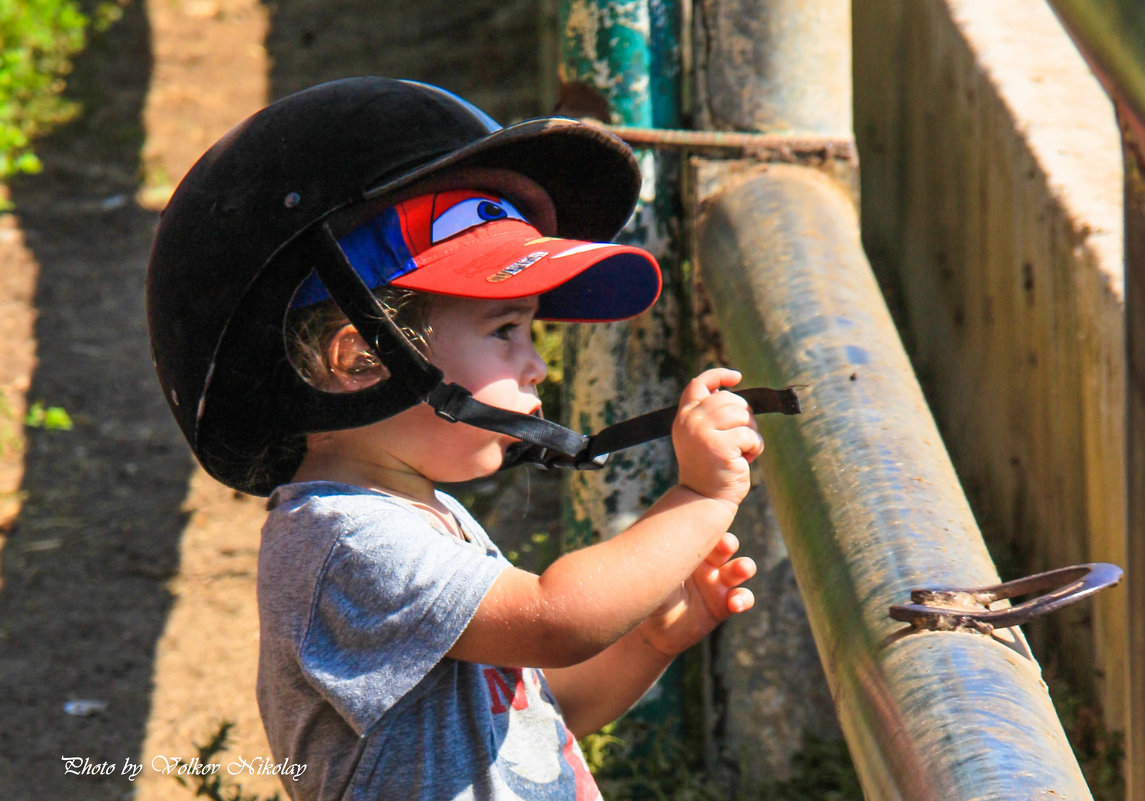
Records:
x=85, y=592
x=83, y=599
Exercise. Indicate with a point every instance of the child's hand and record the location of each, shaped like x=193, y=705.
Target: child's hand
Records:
x=707, y=598
x=715, y=437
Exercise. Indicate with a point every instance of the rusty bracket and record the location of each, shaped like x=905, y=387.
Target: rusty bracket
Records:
x=586, y=103
x=952, y=609
x=783, y=147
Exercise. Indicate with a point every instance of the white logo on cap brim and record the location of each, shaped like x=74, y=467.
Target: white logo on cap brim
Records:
x=583, y=249
x=517, y=267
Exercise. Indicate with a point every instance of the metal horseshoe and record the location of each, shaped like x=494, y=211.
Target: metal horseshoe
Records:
x=950, y=608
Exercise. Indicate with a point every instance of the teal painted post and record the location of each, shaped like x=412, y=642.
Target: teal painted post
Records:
x=629, y=52
x=618, y=370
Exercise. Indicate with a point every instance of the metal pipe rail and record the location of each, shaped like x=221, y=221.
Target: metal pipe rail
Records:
x=870, y=506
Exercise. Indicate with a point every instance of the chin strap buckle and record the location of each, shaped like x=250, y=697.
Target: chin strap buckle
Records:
x=449, y=401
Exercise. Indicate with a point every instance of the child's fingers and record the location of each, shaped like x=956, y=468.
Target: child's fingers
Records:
x=746, y=442
x=723, y=550
x=726, y=410
x=731, y=417
x=740, y=599
x=737, y=571
x=706, y=383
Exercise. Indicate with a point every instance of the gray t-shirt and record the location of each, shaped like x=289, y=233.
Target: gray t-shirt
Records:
x=360, y=597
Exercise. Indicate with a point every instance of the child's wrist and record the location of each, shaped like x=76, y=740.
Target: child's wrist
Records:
x=658, y=651
x=732, y=505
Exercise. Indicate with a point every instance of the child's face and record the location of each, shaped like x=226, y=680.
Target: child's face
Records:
x=485, y=346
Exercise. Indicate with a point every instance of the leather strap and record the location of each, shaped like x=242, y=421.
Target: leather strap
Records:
x=635, y=431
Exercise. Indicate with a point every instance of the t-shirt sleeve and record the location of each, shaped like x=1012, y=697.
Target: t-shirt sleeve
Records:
x=393, y=597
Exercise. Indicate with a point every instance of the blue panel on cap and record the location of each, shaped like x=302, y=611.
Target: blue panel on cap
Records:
x=377, y=251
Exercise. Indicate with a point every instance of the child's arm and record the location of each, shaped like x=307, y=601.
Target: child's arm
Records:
x=589, y=599
x=599, y=690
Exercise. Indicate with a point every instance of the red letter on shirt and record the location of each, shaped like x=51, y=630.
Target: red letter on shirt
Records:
x=499, y=688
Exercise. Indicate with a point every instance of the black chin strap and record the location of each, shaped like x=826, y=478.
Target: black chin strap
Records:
x=549, y=445
x=596, y=449
x=542, y=442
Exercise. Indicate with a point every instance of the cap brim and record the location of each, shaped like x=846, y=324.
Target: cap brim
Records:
x=577, y=281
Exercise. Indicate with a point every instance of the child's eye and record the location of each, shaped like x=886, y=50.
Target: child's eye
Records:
x=505, y=331
x=471, y=213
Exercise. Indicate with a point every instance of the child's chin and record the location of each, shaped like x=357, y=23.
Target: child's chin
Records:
x=483, y=467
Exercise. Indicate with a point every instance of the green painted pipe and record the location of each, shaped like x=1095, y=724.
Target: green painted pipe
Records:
x=870, y=506
x=628, y=53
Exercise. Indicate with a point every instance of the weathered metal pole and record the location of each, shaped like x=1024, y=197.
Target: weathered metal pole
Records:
x=870, y=506
x=1111, y=36
x=771, y=69
x=628, y=54
x=624, y=51
x=866, y=496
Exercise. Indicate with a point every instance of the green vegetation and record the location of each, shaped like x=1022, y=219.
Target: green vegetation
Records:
x=535, y=554
x=216, y=785
x=38, y=39
x=1100, y=753
x=633, y=760
x=822, y=770
x=52, y=418
x=550, y=341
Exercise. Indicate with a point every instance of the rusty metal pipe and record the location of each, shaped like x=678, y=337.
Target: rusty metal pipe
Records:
x=870, y=506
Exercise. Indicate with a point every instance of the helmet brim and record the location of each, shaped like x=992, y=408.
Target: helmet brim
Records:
x=590, y=175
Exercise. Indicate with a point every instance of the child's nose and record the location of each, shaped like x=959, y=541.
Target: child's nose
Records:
x=535, y=368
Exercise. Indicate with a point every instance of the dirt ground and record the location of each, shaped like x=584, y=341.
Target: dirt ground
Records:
x=128, y=628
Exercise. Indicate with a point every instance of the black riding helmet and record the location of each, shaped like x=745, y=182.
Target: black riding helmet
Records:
x=248, y=224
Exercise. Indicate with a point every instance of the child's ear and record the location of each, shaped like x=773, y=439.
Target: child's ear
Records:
x=352, y=364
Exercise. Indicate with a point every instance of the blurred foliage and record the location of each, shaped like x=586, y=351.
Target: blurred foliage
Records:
x=52, y=418
x=634, y=760
x=548, y=338
x=38, y=39
x=536, y=553
x=1100, y=753
x=821, y=770
x=216, y=785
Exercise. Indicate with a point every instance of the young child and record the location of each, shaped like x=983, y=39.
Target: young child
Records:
x=317, y=280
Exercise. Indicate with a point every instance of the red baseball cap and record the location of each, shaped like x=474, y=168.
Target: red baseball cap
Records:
x=475, y=244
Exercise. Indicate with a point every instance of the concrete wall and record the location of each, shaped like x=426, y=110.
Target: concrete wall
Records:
x=991, y=208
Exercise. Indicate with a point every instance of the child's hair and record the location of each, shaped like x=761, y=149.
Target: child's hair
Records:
x=310, y=330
